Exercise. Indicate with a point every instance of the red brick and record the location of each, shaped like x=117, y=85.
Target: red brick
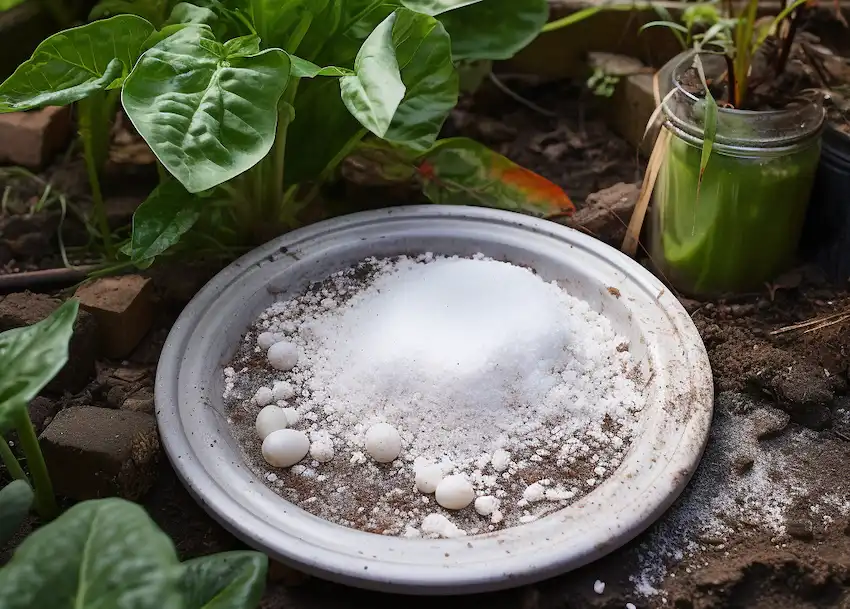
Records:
x=31, y=138
x=123, y=308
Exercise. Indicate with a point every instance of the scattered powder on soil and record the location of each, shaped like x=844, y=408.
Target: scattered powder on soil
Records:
x=486, y=371
x=743, y=488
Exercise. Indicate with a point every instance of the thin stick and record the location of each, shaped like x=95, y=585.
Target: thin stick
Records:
x=630, y=242
x=827, y=324
x=519, y=98
x=808, y=323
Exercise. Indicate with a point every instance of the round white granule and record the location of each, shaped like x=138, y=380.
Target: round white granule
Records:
x=455, y=492
x=486, y=505
x=263, y=397
x=269, y=420
x=282, y=390
x=428, y=477
x=497, y=517
x=322, y=450
x=283, y=356
x=501, y=460
x=285, y=447
x=383, y=442
x=266, y=340
x=599, y=586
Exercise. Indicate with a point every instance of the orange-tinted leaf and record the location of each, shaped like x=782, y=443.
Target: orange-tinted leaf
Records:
x=461, y=171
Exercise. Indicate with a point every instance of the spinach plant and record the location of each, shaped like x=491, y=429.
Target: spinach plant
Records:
x=251, y=105
x=29, y=358
x=109, y=553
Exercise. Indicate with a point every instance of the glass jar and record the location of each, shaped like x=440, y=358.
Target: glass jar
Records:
x=738, y=226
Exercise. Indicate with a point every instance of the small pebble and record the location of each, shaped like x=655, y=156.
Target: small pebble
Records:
x=428, y=477
x=630, y=606
x=383, y=443
x=486, y=505
x=285, y=447
x=283, y=356
x=455, y=492
x=599, y=587
x=265, y=340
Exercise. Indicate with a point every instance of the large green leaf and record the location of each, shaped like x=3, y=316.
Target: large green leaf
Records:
x=492, y=29
x=461, y=171
x=374, y=92
x=30, y=357
x=159, y=223
x=206, y=115
x=15, y=502
x=185, y=12
x=71, y=65
x=424, y=53
x=104, y=554
x=231, y=580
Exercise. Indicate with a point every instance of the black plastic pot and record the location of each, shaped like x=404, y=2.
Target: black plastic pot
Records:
x=826, y=236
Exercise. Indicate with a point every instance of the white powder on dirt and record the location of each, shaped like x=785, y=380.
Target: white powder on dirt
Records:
x=742, y=487
x=485, y=370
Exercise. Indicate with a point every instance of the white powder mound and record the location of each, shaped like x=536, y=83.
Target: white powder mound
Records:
x=485, y=370
x=465, y=347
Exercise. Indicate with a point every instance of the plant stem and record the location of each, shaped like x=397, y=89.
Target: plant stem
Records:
x=90, y=114
x=11, y=462
x=789, y=40
x=45, y=501
x=731, y=82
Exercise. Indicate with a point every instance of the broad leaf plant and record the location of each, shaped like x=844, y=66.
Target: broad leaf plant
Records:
x=250, y=106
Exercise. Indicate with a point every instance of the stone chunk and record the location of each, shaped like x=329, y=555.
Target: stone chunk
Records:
x=606, y=213
x=25, y=308
x=31, y=138
x=123, y=309
x=769, y=423
x=98, y=452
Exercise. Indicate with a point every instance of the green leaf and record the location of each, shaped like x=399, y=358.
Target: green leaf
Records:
x=231, y=580
x=206, y=118
x=436, y=7
x=31, y=356
x=285, y=24
x=154, y=11
x=159, y=223
x=301, y=68
x=374, y=93
x=102, y=554
x=492, y=29
x=15, y=502
x=71, y=65
x=461, y=171
x=424, y=52
x=185, y=13
x=244, y=46
x=409, y=54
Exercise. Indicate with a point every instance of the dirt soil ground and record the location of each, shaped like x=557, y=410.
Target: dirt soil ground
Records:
x=766, y=520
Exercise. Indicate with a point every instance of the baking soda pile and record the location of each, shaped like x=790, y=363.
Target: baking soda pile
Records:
x=433, y=397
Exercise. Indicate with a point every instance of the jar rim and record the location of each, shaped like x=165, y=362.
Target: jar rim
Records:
x=747, y=129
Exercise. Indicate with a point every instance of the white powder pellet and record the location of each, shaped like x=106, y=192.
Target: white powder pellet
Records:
x=271, y=419
x=412, y=532
x=496, y=517
x=534, y=492
x=455, y=492
x=357, y=458
x=322, y=450
x=285, y=447
x=291, y=415
x=501, y=460
x=265, y=340
x=263, y=397
x=283, y=356
x=599, y=587
x=437, y=524
x=486, y=505
x=630, y=606
x=428, y=477
x=383, y=443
